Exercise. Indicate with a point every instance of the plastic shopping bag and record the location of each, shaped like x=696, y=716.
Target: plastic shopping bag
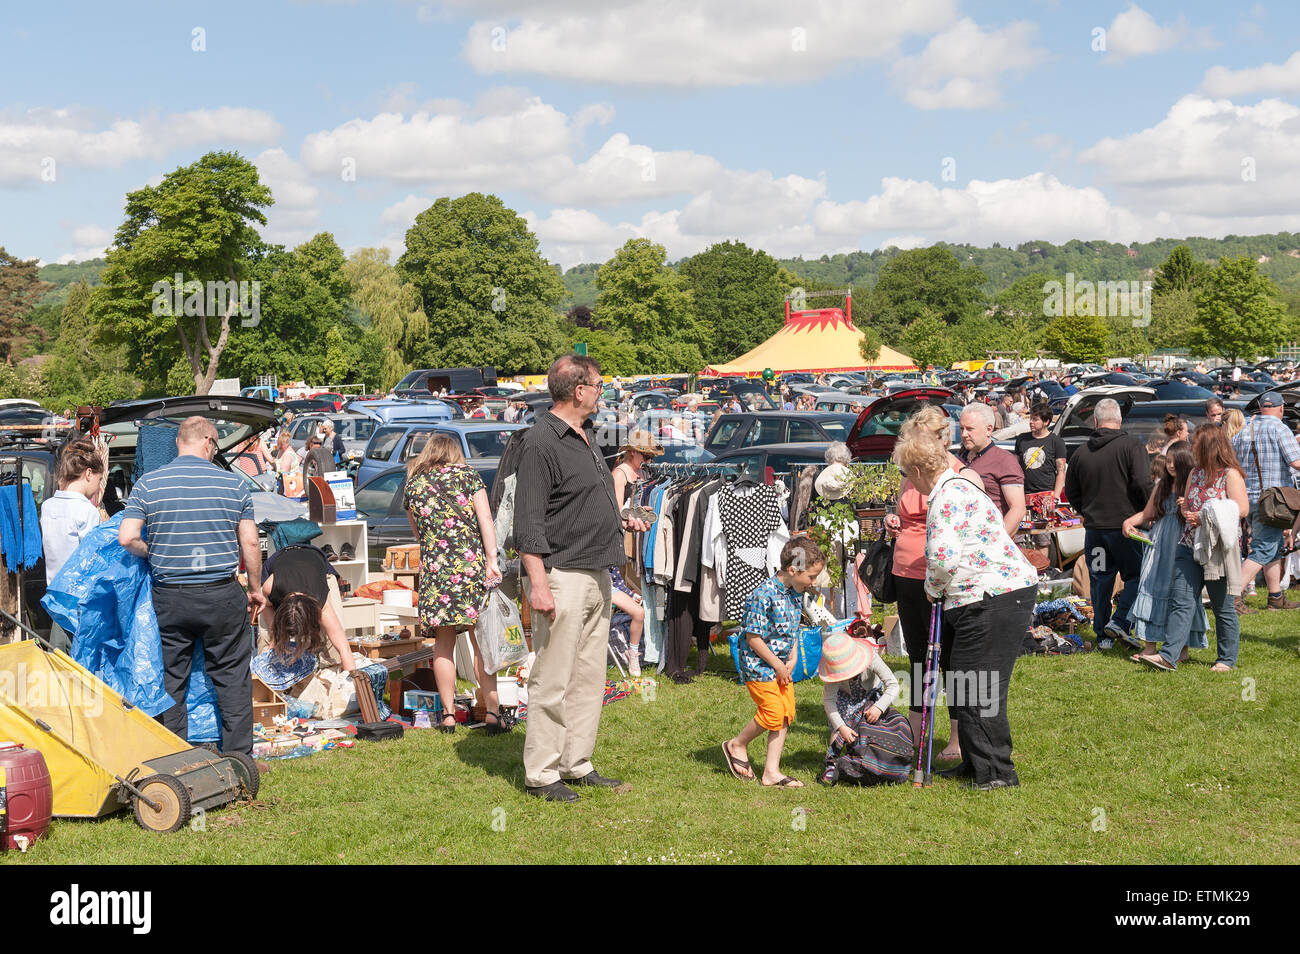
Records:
x=499, y=633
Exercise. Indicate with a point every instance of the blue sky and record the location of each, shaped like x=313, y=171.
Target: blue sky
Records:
x=798, y=131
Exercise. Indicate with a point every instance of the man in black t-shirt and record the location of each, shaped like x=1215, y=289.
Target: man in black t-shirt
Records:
x=1042, y=454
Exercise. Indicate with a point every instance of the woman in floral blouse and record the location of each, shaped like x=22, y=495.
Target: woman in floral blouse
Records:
x=987, y=588
x=447, y=506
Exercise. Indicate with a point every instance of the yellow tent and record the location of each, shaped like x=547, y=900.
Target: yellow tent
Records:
x=822, y=339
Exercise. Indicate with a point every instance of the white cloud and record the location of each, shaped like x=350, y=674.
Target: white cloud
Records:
x=1209, y=160
x=1006, y=210
x=70, y=136
x=959, y=68
x=904, y=242
x=403, y=213
x=1136, y=33
x=687, y=44
x=295, y=216
x=495, y=147
x=1283, y=78
x=92, y=235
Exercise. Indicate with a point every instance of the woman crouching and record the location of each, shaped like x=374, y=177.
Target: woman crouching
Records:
x=304, y=633
x=987, y=589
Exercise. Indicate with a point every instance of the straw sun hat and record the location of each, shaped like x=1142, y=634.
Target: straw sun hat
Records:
x=843, y=657
x=643, y=443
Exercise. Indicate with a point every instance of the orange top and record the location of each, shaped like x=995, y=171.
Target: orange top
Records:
x=909, y=545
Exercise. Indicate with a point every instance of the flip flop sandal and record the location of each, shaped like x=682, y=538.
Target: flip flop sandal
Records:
x=733, y=762
x=785, y=782
x=1157, y=662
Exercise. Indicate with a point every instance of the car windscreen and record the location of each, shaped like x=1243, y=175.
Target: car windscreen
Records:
x=354, y=428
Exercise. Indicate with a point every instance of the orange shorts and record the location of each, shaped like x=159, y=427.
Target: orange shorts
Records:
x=775, y=704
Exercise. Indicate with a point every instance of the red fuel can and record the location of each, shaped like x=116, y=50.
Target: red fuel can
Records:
x=28, y=796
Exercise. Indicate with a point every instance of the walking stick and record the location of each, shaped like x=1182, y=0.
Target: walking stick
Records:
x=926, y=742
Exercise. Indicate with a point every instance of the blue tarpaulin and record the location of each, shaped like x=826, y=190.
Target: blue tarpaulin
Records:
x=103, y=596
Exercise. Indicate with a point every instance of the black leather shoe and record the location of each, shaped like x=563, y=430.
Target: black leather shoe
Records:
x=991, y=784
x=593, y=779
x=961, y=770
x=555, y=792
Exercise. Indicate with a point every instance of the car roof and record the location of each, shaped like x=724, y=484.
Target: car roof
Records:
x=799, y=415
x=813, y=450
x=471, y=425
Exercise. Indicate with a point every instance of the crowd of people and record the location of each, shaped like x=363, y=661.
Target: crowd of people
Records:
x=1168, y=528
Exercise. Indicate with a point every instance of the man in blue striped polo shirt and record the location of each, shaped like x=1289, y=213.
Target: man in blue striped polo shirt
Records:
x=198, y=519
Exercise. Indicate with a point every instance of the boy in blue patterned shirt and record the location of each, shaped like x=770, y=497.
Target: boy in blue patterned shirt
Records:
x=767, y=656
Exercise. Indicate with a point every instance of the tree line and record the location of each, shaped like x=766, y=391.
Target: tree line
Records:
x=472, y=288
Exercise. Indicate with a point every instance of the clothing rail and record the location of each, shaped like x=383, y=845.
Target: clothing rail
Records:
x=691, y=468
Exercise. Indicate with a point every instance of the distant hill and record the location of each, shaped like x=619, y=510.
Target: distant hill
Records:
x=63, y=277
x=1278, y=254
x=1279, y=257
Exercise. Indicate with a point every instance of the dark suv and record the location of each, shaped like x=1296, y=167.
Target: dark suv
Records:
x=747, y=429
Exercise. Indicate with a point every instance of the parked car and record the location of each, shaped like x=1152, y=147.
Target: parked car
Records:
x=875, y=430
x=768, y=462
x=393, y=410
x=1143, y=414
x=355, y=429
x=334, y=397
x=305, y=406
x=841, y=402
x=393, y=445
x=732, y=431
x=428, y=381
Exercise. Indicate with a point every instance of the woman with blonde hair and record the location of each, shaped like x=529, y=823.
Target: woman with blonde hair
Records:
x=447, y=506
x=1233, y=421
x=907, y=526
x=987, y=589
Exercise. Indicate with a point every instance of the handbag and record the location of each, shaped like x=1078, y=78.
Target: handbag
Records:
x=1277, y=507
x=877, y=569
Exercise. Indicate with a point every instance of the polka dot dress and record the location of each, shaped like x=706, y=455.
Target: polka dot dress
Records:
x=749, y=517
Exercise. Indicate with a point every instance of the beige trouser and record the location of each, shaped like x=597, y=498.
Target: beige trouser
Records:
x=566, y=688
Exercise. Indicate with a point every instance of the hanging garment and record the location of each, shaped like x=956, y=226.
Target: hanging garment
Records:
x=155, y=445
x=749, y=518
x=20, y=535
x=802, y=499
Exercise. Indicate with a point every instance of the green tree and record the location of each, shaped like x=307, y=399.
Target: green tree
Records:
x=199, y=223
x=392, y=310
x=20, y=290
x=1173, y=319
x=1180, y=272
x=870, y=345
x=1078, y=338
x=644, y=301
x=1239, y=312
x=924, y=280
x=305, y=294
x=738, y=295
x=84, y=368
x=489, y=295
x=928, y=340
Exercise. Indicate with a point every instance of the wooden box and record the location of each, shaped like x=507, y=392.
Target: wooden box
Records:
x=267, y=703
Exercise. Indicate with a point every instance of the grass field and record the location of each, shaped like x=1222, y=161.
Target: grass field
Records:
x=1118, y=764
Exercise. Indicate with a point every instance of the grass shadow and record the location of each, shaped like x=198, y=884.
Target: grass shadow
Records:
x=499, y=755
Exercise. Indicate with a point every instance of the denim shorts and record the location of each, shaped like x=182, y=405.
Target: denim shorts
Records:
x=1265, y=542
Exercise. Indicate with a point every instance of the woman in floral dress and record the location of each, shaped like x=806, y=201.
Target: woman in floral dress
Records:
x=447, y=506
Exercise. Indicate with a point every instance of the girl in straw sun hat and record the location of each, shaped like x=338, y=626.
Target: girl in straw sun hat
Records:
x=870, y=740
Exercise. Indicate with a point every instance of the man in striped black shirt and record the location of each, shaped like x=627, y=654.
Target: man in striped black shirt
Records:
x=198, y=520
